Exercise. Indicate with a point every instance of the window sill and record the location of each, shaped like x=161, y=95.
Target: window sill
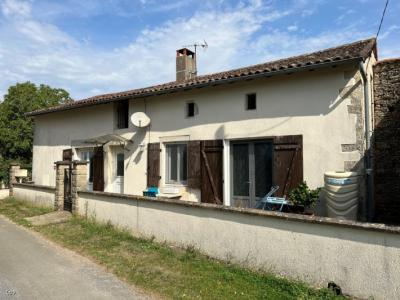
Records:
x=169, y=196
x=178, y=185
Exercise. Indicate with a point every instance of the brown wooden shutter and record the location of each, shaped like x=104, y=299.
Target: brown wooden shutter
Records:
x=194, y=165
x=211, y=171
x=288, y=163
x=98, y=169
x=67, y=155
x=153, y=164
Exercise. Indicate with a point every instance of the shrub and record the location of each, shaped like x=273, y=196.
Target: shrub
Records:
x=304, y=196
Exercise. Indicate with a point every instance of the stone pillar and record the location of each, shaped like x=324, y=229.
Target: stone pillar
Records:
x=13, y=170
x=61, y=166
x=79, y=181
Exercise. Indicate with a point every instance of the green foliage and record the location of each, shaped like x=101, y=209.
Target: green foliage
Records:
x=303, y=195
x=16, y=130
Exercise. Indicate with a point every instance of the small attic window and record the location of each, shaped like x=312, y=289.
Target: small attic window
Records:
x=191, y=109
x=122, y=114
x=251, y=101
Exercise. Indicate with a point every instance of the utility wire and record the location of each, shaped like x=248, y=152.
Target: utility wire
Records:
x=380, y=25
x=383, y=16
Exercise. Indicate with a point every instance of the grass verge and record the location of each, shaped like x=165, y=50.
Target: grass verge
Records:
x=158, y=268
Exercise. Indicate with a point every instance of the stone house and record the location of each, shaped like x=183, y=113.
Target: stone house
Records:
x=226, y=137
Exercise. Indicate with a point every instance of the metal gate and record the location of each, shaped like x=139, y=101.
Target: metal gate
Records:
x=68, y=189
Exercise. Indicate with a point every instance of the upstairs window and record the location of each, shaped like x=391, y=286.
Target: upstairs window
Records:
x=191, y=109
x=176, y=158
x=251, y=101
x=122, y=114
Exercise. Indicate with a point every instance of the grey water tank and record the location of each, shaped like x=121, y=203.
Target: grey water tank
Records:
x=341, y=194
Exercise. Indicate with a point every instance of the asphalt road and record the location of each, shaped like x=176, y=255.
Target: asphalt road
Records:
x=34, y=268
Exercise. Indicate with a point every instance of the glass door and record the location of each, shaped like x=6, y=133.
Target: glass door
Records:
x=241, y=175
x=119, y=172
x=251, y=171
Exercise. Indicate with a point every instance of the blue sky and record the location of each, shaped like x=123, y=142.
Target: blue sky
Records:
x=90, y=47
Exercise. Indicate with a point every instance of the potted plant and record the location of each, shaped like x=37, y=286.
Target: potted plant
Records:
x=303, y=198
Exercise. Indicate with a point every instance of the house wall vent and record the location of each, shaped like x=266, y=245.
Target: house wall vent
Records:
x=185, y=64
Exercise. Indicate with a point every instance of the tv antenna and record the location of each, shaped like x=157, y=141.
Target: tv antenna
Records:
x=203, y=45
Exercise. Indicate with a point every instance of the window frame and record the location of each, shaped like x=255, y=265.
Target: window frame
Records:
x=181, y=180
x=122, y=109
x=248, y=99
x=86, y=154
x=195, y=109
x=118, y=155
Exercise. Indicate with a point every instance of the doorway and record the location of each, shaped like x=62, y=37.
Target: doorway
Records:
x=251, y=165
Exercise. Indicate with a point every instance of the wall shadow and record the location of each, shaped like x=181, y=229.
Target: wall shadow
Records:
x=386, y=141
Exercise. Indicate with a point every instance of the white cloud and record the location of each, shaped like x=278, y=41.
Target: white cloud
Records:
x=237, y=36
x=389, y=31
x=41, y=52
x=279, y=44
x=16, y=8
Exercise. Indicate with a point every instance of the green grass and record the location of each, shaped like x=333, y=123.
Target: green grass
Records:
x=17, y=210
x=163, y=270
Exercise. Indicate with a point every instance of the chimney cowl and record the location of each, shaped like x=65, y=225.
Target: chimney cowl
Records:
x=185, y=64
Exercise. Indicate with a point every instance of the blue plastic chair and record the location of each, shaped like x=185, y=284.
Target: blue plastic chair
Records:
x=151, y=191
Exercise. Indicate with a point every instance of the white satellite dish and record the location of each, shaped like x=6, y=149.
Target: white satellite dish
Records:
x=140, y=119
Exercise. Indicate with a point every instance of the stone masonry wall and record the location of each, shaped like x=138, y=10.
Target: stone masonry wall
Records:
x=78, y=182
x=354, y=92
x=387, y=140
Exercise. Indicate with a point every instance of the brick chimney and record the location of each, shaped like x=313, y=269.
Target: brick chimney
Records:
x=185, y=64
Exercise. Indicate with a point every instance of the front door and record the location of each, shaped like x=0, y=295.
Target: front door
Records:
x=251, y=171
x=119, y=172
x=98, y=169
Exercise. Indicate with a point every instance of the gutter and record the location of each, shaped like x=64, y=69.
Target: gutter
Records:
x=217, y=82
x=368, y=161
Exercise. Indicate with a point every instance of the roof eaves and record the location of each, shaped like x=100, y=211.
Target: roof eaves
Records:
x=201, y=84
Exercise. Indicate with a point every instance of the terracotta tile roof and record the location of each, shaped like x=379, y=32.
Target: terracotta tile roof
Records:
x=348, y=52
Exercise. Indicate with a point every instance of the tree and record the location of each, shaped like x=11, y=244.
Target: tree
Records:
x=16, y=130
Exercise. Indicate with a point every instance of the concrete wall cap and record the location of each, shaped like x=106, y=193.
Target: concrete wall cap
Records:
x=80, y=162
x=62, y=162
x=387, y=61
x=257, y=212
x=34, y=186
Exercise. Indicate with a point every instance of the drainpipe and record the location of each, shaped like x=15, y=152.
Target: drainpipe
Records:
x=368, y=152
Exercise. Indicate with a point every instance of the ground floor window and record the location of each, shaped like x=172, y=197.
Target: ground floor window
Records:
x=120, y=164
x=176, y=163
